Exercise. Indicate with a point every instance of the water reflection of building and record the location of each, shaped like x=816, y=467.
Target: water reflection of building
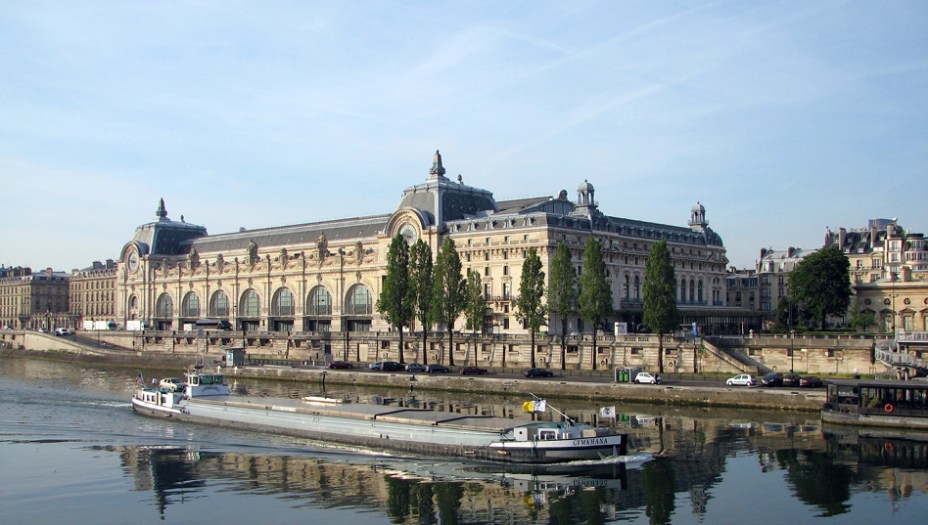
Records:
x=403, y=489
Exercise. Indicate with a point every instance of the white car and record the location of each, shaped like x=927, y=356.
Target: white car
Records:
x=647, y=377
x=173, y=384
x=62, y=331
x=742, y=379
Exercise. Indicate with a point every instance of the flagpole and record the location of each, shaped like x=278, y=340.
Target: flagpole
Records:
x=568, y=418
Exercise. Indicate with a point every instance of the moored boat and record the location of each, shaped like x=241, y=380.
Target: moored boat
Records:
x=894, y=404
x=411, y=430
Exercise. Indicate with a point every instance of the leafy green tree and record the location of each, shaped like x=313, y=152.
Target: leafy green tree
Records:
x=421, y=280
x=821, y=284
x=595, y=293
x=396, y=299
x=562, y=292
x=448, y=297
x=860, y=320
x=660, y=303
x=530, y=309
x=475, y=308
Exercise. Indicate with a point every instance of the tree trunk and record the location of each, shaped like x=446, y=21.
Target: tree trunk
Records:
x=401, y=344
x=563, y=343
x=451, y=344
x=425, y=351
x=594, y=346
x=660, y=353
x=533, y=349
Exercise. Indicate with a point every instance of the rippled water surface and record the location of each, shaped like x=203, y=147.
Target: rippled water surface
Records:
x=72, y=451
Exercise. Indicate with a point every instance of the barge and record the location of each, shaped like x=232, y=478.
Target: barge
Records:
x=380, y=427
x=876, y=403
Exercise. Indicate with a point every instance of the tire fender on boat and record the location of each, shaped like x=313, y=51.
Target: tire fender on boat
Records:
x=889, y=408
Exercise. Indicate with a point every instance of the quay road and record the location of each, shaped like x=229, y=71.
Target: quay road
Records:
x=575, y=384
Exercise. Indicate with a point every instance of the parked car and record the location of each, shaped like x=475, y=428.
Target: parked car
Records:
x=772, y=379
x=647, y=377
x=741, y=379
x=415, y=367
x=791, y=380
x=537, y=372
x=391, y=366
x=340, y=365
x=174, y=384
x=376, y=365
x=810, y=382
x=62, y=331
x=473, y=370
x=437, y=369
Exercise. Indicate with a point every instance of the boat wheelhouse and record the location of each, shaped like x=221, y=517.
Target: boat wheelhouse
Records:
x=201, y=384
x=897, y=404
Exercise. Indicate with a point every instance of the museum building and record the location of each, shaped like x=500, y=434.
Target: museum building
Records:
x=326, y=276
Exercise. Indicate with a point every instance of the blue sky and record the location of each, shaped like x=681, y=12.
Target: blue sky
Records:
x=781, y=118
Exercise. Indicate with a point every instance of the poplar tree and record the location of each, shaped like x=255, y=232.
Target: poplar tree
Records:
x=448, y=297
x=660, y=303
x=421, y=281
x=475, y=306
x=562, y=292
x=396, y=298
x=530, y=309
x=595, y=293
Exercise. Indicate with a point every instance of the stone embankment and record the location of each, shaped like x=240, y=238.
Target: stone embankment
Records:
x=598, y=390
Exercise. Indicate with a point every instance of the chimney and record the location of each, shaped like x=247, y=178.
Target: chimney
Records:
x=842, y=237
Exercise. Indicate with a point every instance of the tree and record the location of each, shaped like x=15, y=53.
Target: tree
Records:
x=421, y=280
x=530, y=309
x=861, y=320
x=475, y=306
x=660, y=303
x=595, y=293
x=562, y=292
x=448, y=297
x=395, y=302
x=821, y=284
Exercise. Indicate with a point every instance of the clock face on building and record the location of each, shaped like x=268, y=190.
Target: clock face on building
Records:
x=409, y=233
x=133, y=261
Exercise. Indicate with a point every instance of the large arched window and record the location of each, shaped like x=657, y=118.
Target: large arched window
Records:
x=165, y=307
x=282, y=304
x=358, y=301
x=627, y=286
x=219, y=305
x=190, y=306
x=699, y=296
x=250, y=305
x=637, y=288
x=692, y=290
x=319, y=302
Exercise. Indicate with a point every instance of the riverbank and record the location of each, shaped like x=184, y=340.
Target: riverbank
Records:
x=569, y=387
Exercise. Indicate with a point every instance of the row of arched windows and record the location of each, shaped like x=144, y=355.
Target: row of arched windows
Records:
x=318, y=304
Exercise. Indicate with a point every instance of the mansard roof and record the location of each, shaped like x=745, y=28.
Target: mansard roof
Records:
x=164, y=236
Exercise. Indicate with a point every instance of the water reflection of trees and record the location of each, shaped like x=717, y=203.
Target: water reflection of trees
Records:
x=817, y=480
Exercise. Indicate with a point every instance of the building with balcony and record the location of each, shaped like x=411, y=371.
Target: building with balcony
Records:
x=33, y=301
x=93, y=293
x=889, y=273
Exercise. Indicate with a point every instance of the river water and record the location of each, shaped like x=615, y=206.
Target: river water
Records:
x=73, y=451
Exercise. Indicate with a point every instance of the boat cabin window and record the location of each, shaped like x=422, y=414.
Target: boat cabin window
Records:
x=545, y=435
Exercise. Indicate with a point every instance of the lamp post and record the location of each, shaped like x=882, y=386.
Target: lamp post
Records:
x=792, y=351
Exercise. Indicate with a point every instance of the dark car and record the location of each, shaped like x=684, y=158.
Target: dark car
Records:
x=790, y=380
x=811, y=382
x=473, y=370
x=537, y=372
x=437, y=369
x=391, y=366
x=415, y=367
x=340, y=365
x=772, y=379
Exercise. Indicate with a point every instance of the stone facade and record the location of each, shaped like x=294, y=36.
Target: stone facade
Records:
x=889, y=274
x=314, y=280
x=93, y=293
x=33, y=301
